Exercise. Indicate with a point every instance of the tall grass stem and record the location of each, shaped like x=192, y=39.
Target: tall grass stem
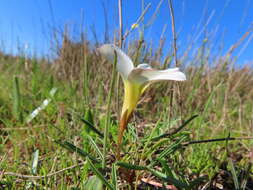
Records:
x=108, y=112
x=17, y=100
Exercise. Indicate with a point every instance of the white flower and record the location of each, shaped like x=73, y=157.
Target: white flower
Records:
x=136, y=79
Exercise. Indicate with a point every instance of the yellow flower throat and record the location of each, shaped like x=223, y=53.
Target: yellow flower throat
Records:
x=132, y=94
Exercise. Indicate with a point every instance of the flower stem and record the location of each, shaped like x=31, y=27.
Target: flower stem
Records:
x=122, y=127
x=108, y=112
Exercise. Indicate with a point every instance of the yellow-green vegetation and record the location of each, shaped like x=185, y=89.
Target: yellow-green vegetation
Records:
x=61, y=147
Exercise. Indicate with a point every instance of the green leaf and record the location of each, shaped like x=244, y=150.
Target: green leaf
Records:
x=91, y=126
x=166, y=168
x=245, y=177
x=114, y=176
x=94, y=145
x=179, y=184
x=108, y=112
x=234, y=175
x=69, y=146
x=172, y=148
x=89, y=118
x=159, y=174
x=35, y=162
x=93, y=183
x=172, y=175
x=100, y=176
x=17, y=100
x=176, y=130
x=208, y=104
x=44, y=104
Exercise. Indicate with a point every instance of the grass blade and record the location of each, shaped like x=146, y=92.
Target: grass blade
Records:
x=35, y=162
x=42, y=106
x=93, y=183
x=88, y=117
x=91, y=127
x=179, y=184
x=172, y=148
x=166, y=168
x=69, y=146
x=92, y=142
x=114, y=177
x=176, y=130
x=100, y=176
x=234, y=175
x=164, y=177
x=107, y=122
x=17, y=100
x=245, y=177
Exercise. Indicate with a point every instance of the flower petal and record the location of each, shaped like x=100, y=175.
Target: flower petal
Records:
x=147, y=74
x=124, y=63
x=144, y=66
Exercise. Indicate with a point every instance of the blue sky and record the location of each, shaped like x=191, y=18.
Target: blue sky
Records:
x=31, y=21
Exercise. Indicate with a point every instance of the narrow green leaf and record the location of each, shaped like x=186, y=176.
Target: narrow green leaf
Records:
x=164, y=177
x=108, y=111
x=172, y=148
x=176, y=130
x=94, y=145
x=69, y=146
x=100, y=175
x=114, y=176
x=179, y=184
x=35, y=162
x=91, y=127
x=88, y=117
x=166, y=168
x=234, y=175
x=207, y=105
x=42, y=106
x=93, y=183
x=171, y=174
x=245, y=177
x=17, y=100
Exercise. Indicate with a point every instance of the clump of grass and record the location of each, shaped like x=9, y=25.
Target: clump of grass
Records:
x=223, y=108
x=163, y=143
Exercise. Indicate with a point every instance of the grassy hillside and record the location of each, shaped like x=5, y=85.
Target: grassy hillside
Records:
x=163, y=144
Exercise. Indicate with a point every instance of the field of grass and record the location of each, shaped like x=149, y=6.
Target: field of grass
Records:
x=195, y=134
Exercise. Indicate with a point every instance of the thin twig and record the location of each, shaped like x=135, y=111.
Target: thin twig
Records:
x=120, y=45
x=137, y=22
x=153, y=17
x=40, y=177
x=234, y=46
x=21, y=128
x=120, y=23
x=175, y=54
x=108, y=112
x=173, y=32
x=106, y=34
x=157, y=184
x=216, y=140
